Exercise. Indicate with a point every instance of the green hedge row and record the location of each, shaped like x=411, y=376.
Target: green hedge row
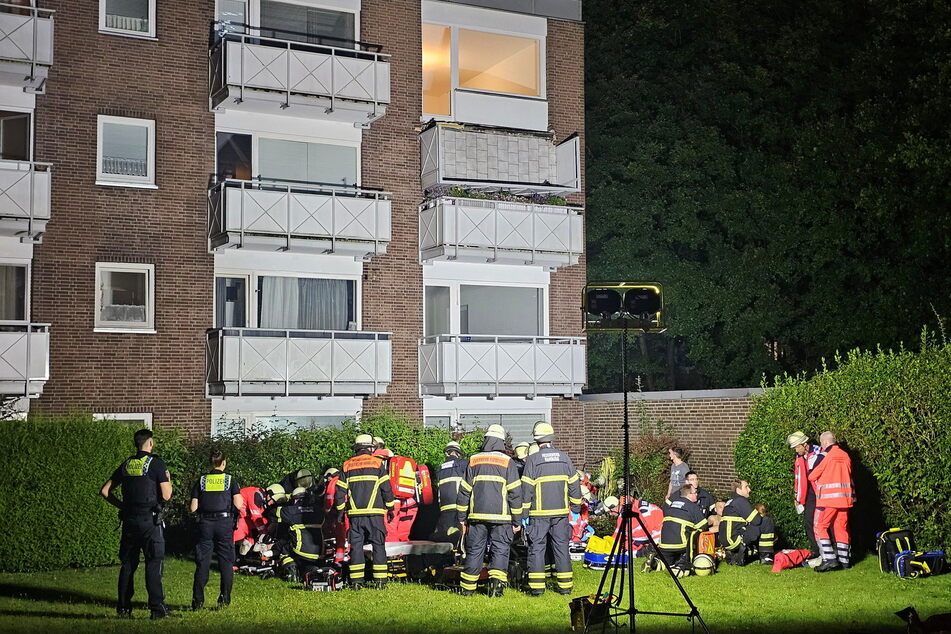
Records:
x=891, y=411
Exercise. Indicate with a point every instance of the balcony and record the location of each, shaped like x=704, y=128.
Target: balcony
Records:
x=26, y=46
x=253, y=73
x=24, y=358
x=24, y=199
x=484, y=365
x=503, y=232
x=271, y=215
x=258, y=362
x=498, y=159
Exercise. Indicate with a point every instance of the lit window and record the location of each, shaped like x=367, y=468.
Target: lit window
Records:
x=126, y=151
x=437, y=69
x=127, y=17
x=126, y=296
x=498, y=63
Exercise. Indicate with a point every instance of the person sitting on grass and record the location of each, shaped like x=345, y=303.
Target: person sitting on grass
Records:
x=742, y=528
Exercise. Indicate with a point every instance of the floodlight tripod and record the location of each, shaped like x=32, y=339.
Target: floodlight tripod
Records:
x=620, y=565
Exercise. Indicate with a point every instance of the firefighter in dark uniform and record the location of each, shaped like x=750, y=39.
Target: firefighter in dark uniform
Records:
x=683, y=520
x=551, y=490
x=448, y=479
x=742, y=526
x=303, y=523
x=216, y=497
x=145, y=486
x=364, y=494
x=490, y=509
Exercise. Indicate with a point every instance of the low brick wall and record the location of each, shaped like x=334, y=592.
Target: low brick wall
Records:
x=705, y=422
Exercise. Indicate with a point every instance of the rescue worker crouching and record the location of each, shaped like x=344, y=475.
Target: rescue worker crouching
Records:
x=550, y=491
x=144, y=481
x=490, y=510
x=303, y=522
x=448, y=480
x=364, y=494
x=742, y=527
x=214, y=499
x=683, y=519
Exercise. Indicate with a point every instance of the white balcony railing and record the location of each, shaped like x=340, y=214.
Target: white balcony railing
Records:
x=254, y=73
x=24, y=199
x=469, y=229
x=484, y=365
x=26, y=46
x=264, y=362
x=494, y=159
x=24, y=358
x=272, y=215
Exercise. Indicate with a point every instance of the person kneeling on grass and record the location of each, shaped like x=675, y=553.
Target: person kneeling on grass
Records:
x=742, y=528
x=683, y=518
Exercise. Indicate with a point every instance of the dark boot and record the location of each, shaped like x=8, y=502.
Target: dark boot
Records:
x=197, y=605
x=224, y=601
x=827, y=565
x=495, y=588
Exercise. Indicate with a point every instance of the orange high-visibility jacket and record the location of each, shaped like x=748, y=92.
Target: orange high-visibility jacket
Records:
x=832, y=480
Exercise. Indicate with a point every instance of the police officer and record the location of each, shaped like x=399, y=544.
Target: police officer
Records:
x=215, y=497
x=448, y=479
x=145, y=485
x=490, y=509
x=365, y=495
x=551, y=490
x=742, y=525
x=683, y=519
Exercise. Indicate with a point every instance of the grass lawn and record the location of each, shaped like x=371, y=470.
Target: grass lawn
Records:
x=748, y=599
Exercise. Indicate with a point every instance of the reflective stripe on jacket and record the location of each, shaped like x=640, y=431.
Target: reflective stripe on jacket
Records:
x=448, y=480
x=491, y=489
x=550, y=484
x=364, y=486
x=737, y=515
x=832, y=480
x=681, y=519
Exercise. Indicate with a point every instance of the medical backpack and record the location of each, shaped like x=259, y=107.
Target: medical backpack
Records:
x=890, y=543
x=910, y=564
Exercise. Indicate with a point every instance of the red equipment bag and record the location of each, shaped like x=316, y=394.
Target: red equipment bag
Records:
x=403, y=477
x=425, y=484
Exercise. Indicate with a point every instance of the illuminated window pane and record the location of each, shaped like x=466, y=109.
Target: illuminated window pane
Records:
x=436, y=69
x=498, y=63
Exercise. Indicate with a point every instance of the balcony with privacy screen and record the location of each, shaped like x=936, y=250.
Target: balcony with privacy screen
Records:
x=24, y=199
x=502, y=348
x=26, y=46
x=487, y=159
x=24, y=358
x=500, y=231
x=295, y=73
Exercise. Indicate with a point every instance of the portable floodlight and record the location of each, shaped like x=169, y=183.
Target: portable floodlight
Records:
x=616, y=306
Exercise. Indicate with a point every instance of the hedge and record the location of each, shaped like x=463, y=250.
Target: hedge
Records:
x=891, y=410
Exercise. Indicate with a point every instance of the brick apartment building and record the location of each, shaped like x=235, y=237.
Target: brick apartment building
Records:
x=257, y=213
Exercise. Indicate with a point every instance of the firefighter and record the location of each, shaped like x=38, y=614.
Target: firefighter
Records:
x=521, y=453
x=835, y=495
x=490, y=511
x=743, y=526
x=683, y=519
x=364, y=495
x=550, y=493
x=448, y=479
x=303, y=523
x=804, y=497
x=145, y=485
x=705, y=499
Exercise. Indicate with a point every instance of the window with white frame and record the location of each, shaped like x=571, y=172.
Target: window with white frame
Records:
x=295, y=20
x=518, y=425
x=455, y=57
x=15, y=133
x=127, y=17
x=231, y=301
x=138, y=420
x=306, y=303
x=13, y=288
x=483, y=309
x=126, y=151
x=239, y=155
x=125, y=297
x=246, y=423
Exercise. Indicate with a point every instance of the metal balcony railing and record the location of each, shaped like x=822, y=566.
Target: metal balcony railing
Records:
x=24, y=358
x=478, y=230
x=24, y=199
x=489, y=365
x=26, y=46
x=282, y=215
x=263, y=73
x=267, y=362
x=125, y=166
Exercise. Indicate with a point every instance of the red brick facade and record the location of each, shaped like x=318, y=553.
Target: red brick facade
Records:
x=165, y=80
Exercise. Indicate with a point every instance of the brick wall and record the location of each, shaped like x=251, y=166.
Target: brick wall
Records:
x=565, y=82
x=706, y=423
x=393, y=283
x=165, y=80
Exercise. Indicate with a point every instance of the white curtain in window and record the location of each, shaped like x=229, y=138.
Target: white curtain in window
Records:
x=304, y=303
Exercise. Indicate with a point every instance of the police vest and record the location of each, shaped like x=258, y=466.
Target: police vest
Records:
x=214, y=493
x=139, y=490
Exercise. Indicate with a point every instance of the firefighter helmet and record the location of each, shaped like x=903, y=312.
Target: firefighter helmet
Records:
x=521, y=450
x=277, y=493
x=452, y=447
x=363, y=440
x=533, y=448
x=796, y=438
x=704, y=565
x=379, y=442
x=298, y=493
x=331, y=472
x=610, y=502
x=304, y=478
x=543, y=432
x=495, y=431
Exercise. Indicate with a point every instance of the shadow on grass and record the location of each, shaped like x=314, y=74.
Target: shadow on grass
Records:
x=59, y=595
x=55, y=615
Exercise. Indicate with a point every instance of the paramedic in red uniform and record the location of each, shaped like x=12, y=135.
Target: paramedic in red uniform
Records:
x=835, y=495
x=807, y=457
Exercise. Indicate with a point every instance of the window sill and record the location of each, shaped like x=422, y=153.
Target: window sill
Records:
x=127, y=331
x=133, y=185
x=132, y=34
